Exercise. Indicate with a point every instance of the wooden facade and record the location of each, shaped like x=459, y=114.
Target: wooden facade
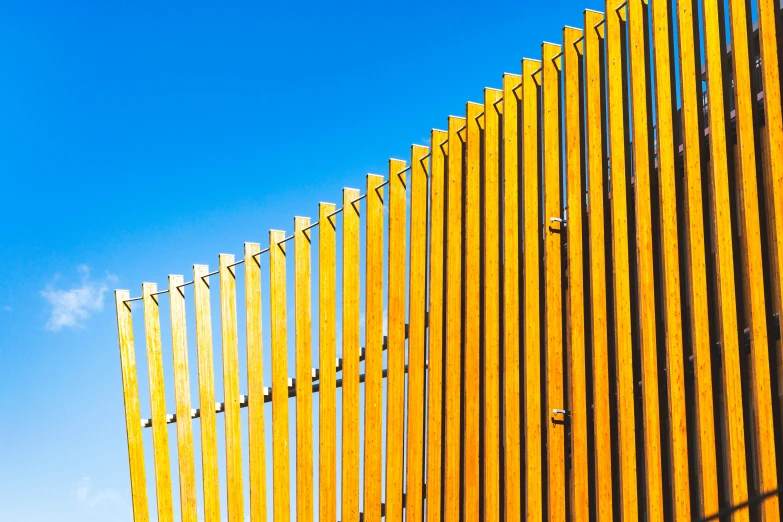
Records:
x=567, y=307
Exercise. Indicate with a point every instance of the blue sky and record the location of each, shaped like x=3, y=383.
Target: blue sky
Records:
x=136, y=140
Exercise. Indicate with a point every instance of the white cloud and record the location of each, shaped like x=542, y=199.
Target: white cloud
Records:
x=86, y=496
x=7, y=308
x=70, y=307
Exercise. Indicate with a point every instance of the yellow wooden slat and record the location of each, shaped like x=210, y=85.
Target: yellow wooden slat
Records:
x=533, y=492
x=734, y=433
x=228, y=334
x=553, y=291
x=491, y=304
x=185, y=455
x=304, y=368
x=744, y=99
x=206, y=392
x=395, y=381
x=577, y=382
x=665, y=107
x=435, y=330
x=596, y=162
x=414, y=480
x=255, y=383
x=773, y=144
x=350, y=340
x=472, y=309
x=373, y=342
x=327, y=341
x=508, y=110
x=644, y=259
x=279, y=337
x=160, y=438
x=452, y=471
x=621, y=283
x=690, y=129
x=130, y=395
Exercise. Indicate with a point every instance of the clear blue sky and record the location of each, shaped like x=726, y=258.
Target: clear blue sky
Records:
x=136, y=140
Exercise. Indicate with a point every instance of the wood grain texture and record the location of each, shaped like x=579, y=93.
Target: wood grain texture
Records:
x=621, y=284
x=490, y=222
x=350, y=338
x=160, y=437
x=665, y=109
x=206, y=393
x=575, y=343
x=395, y=381
x=255, y=383
x=281, y=475
x=472, y=311
x=228, y=334
x=327, y=353
x=511, y=232
x=769, y=47
x=596, y=174
x=452, y=467
x=553, y=290
x=373, y=339
x=755, y=301
x=417, y=299
x=435, y=332
x=185, y=454
x=734, y=432
x=693, y=159
x=642, y=173
x=304, y=368
x=533, y=343
x=130, y=396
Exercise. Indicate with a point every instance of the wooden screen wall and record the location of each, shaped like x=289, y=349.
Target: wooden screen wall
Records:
x=566, y=308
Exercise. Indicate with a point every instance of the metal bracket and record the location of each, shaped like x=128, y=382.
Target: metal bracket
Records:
x=560, y=412
x=558, y=220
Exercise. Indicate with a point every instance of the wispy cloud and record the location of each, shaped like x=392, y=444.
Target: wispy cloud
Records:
x=88, y=497
x=7, y=308
x=70, y=307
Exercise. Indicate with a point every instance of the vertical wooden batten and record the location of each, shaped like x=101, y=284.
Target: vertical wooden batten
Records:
x=160, y=438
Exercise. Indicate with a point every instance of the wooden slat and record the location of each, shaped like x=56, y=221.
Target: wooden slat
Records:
x=130, y=395
x=491, y=305
x=773, y=145
x=414, y=482
x=451, y=499
x=594, y=120
x=185, y=455
x=644, y=259
x=350, y=338
x=621, y=283
x=395, y=382
x=472, y=310
x=744, y=101
x=512, y=480
x=327, y=341
x=690, y=130
x=435, y=341
x=373, y=362
x=734, y=433
x=665, y=107
x=255, y=383
x=533, y=473
x=279, y=337
x=228, y=334
x=577, y=378
x=206, y=392
x=553, y=307
x=304, y=368
x=160, y=438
